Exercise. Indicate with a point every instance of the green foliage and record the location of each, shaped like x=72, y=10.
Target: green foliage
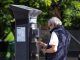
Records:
x=10, y=37
x=11, y=51
x=5, y=17
x=55, y=1
x=67, y=22
x=71, y=14
x=47, y=3
x=5, y=22
x=68, y=12
x=76, y=5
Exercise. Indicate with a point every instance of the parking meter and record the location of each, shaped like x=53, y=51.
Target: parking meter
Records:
x=25, y=30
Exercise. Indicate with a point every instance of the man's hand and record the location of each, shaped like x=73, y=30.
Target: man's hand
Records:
x=42, y=44
x=43, y=50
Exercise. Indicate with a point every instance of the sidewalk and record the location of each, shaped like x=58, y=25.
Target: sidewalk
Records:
x=69, y=58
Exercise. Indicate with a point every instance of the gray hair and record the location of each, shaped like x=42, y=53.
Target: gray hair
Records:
x=55, y=20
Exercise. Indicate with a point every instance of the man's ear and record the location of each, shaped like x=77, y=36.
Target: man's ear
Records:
x=51, y=24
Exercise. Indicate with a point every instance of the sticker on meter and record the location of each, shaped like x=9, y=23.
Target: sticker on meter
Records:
x=20, y=34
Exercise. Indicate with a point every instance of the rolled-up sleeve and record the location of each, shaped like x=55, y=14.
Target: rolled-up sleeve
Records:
x=54, y=40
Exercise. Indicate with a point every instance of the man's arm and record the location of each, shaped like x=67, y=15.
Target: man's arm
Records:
x=53, y=49
x=45, y=50
x=50, y=50
x=53, y=43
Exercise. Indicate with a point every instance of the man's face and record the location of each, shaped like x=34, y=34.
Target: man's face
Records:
x=50, y=26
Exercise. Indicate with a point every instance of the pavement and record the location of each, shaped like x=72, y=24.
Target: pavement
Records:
x=69, y=58
x=72, y=58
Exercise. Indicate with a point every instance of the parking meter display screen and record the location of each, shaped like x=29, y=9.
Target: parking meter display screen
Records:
x=20, y=34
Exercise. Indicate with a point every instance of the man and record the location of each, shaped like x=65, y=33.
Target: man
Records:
x=56, y=47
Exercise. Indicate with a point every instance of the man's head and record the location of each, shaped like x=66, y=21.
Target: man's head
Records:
x=54, y=22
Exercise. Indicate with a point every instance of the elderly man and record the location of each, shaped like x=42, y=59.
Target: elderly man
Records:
x=56, y=47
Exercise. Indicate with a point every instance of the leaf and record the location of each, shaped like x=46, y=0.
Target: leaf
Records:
x=47, y=3
x=10, y=37
x=56, y=1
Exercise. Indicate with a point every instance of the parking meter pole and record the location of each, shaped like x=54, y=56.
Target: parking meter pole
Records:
x=26, y=24
x=35, y=31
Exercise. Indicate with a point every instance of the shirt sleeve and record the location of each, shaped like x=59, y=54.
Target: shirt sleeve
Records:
x=54, y=39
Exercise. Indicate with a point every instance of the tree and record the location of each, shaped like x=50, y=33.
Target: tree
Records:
x=5, y=18
x=71, y=14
